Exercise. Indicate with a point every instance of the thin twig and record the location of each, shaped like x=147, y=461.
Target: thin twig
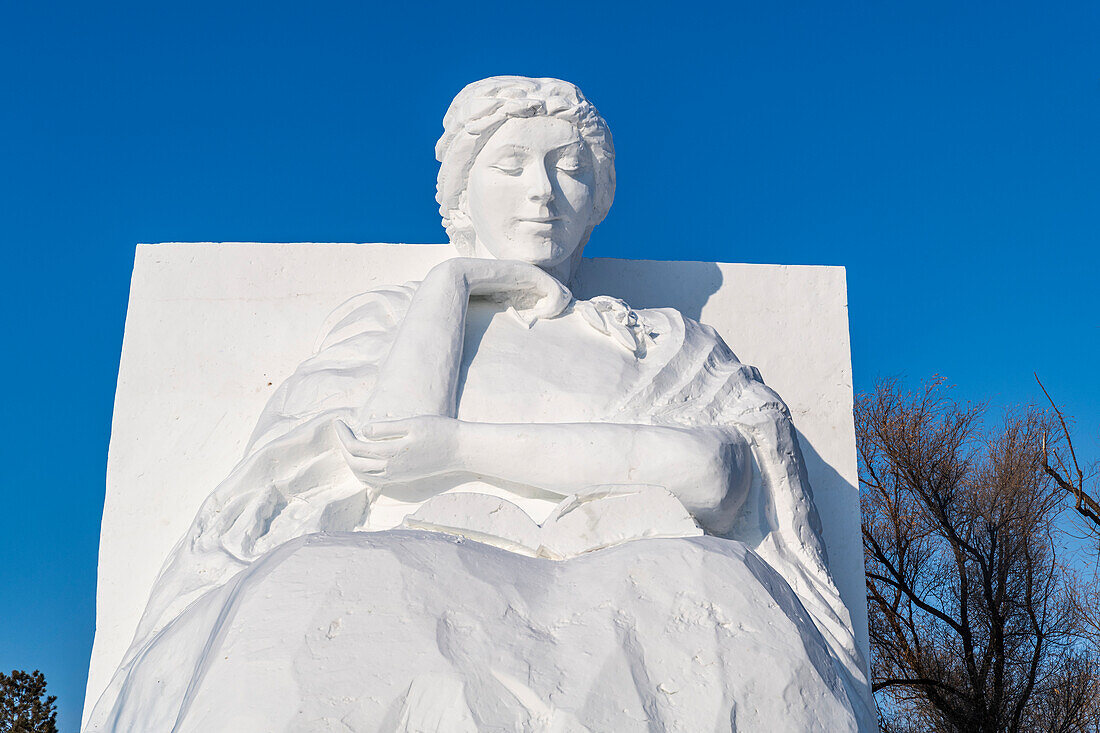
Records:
x=1085, y=504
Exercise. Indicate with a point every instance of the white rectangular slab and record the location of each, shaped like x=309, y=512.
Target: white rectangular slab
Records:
x=212, y=330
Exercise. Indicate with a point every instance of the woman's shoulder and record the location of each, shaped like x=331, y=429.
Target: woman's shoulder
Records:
x=341, y=371
x=377, y=309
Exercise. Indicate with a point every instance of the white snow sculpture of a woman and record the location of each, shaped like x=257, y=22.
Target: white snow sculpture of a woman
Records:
x=551, y=436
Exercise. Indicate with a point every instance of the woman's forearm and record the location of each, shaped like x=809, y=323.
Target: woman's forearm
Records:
x=420, y=374
x=708, y=470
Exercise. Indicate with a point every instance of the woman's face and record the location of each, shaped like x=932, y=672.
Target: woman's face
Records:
x=531, y=190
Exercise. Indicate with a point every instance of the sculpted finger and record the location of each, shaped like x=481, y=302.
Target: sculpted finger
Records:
x=355, y=447
x=382, y=449
x=555, y=298
x=386, y=430
x=553, y=303
x=367, y=466
x=348, y=439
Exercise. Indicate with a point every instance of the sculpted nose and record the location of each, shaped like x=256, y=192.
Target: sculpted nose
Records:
x=539, y=188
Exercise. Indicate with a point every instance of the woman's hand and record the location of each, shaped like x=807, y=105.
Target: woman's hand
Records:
x=392, y=452
x=527, y=289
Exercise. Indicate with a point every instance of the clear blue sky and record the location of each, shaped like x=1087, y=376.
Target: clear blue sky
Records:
x=948, y=154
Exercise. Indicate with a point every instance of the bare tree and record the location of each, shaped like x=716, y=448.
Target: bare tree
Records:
x=974, y=623
x=1062, y=465
x=1068, y=475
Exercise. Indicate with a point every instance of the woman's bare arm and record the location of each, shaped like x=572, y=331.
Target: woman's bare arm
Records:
x=709, y=470
x=420, y=374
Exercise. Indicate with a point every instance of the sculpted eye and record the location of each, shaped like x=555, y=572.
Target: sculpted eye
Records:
x=508, y=169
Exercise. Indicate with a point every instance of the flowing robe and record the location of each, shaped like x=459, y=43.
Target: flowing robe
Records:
x=666, y=370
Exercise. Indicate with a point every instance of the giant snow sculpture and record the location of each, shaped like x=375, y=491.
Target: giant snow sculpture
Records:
x=483, y=504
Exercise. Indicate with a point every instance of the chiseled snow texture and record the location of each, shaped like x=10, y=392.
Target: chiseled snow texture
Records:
x=418, y=631
x=242, y=317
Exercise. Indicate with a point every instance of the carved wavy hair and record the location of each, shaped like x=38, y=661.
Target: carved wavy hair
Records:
x=480, y=109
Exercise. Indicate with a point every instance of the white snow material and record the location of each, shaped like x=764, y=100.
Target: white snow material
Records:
x=601, y=517
x=415, y=631
x=243, y=316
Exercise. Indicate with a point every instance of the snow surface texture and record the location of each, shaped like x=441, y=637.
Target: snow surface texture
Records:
x=244, y=315
x=415, y=631
x=303, y=474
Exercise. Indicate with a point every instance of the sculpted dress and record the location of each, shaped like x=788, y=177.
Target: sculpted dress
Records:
x=599, y=361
